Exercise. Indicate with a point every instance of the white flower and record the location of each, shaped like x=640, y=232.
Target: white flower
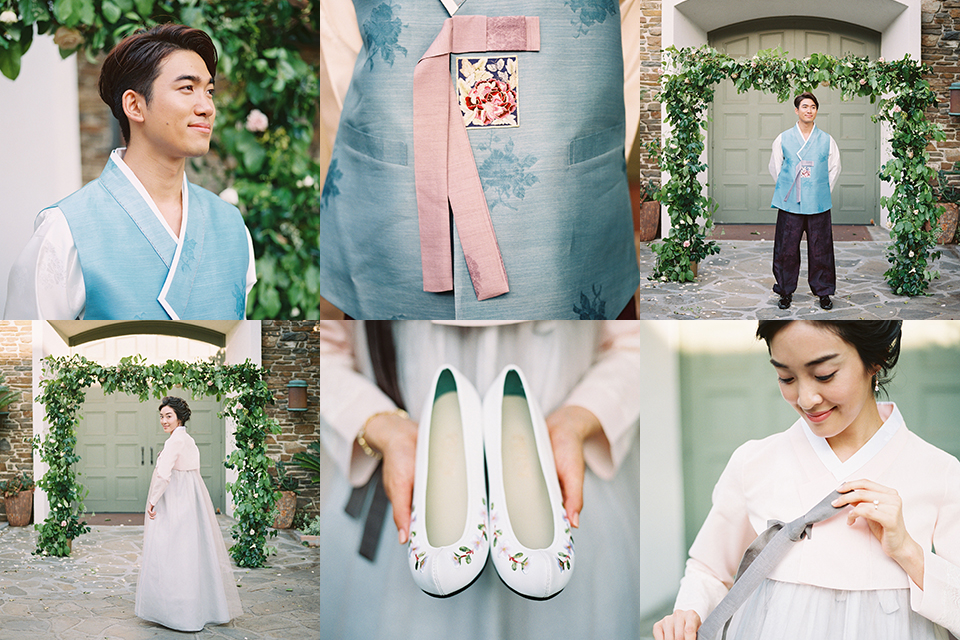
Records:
x=63, y=523
x=880, y=59
x=896, y=108
x=257, y=121
x=910, y=254
x=308, y=181
x=8, y=16
x=230, y=195
x=889, y=224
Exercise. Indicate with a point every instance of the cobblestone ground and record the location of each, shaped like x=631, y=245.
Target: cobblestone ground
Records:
x=91, y=594
x=738, y=284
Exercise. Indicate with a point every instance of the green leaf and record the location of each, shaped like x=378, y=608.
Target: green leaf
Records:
x=144, y=7
x=10, y=62
x=33, y=11
x=111, y=12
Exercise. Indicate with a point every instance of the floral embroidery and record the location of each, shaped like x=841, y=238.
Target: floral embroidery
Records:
x=591, y=309
x=187, y=253
x=382, y=31
x=240, y=297
x=487, y=91
x=591, y=12
x=563, y=560
x=517, y=560
x=505, y=175
x=330, y=189
x=465, y=554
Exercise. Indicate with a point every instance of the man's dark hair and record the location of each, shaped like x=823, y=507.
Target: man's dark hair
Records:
x=135, y=63
x=806, y=94
x=179, y=406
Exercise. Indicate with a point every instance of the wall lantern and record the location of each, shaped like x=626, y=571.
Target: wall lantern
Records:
x=955, y=99
x=297, y=395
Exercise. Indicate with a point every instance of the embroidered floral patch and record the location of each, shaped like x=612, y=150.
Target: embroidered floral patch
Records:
x=330, y=189
x=382, y=33
x=487, y=90
x=591, y=309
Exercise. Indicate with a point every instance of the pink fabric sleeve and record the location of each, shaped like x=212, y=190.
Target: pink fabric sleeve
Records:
x=724, y=536
x=165, y=461
x=939, y=600
x=347, y=399
x=612, y=390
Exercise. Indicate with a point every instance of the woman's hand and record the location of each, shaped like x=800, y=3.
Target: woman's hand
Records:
x=396, y=438
x=151, y=512
x=682, y=625
x=569, y=428
x=882, y=508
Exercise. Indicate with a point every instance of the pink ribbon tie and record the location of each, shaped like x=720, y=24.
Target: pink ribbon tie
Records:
x=443, y=156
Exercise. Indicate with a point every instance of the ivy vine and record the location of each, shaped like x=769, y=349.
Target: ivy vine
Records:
x=902, y=93
x=264, y=128
x=243, y=386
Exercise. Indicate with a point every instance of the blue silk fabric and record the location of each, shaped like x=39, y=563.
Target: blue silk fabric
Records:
x=126, y=254
x=815, y=189
x=555, y=185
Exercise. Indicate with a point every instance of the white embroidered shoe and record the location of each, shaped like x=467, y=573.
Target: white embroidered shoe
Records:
x=448, y=526
x=532, y=545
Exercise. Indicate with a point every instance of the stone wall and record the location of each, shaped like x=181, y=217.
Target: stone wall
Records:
x=940, y=38
x=16, y=429
x=640, y=166
x=291, y=351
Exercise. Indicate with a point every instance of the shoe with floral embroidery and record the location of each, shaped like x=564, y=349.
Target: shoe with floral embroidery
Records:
x=532, y=548
x=448, y=529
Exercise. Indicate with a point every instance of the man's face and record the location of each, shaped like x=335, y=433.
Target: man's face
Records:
x=178, y=120
x=807, y=111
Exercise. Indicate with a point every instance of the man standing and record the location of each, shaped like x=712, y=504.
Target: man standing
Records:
x=141, y=241
x=805, y=163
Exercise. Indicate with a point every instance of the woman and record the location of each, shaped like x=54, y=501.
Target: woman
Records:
x=186, y=580
x=867, y=572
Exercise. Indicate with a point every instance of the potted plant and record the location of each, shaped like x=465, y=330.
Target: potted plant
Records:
x=287, y=504
x=309, y=534
x=646, y=210
x=18, y=499
x=949, y=197
x=7, y=397
x=309, y=461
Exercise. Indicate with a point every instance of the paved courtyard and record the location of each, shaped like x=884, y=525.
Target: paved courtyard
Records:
x=91, y=594
x=738, y=284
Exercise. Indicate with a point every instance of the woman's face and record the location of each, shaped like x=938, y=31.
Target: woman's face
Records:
x=822, y=378
x=168, y=419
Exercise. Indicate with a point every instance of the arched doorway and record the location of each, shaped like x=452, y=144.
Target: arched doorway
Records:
x=743, y=126
x=119, y=437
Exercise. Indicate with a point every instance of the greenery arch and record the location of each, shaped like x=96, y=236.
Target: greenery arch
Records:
x=63, y=392
x=904, y=94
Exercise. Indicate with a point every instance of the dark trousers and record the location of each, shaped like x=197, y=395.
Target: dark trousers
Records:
x=821, y=265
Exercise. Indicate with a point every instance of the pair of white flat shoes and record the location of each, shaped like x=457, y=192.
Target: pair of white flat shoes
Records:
x=457, y=521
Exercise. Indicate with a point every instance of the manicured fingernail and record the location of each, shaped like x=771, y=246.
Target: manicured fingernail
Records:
x=575, y=520
x=403, y=536
x=836, y=502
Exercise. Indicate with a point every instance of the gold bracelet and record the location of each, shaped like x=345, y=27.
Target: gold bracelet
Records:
x=361, y=439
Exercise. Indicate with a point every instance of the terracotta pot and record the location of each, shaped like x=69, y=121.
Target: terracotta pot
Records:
x=308, y=541
x=287, y=508
x=19, y=508
x=948, y=223
x=646, y=218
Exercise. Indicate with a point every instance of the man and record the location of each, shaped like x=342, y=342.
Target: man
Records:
x=805, y=163
x=141, y=241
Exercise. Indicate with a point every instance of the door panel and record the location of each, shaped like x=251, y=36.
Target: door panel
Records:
x=744, y=126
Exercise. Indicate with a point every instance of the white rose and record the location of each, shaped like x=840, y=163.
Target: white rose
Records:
x=308, y=181
x=8, y=16
x=230, y=195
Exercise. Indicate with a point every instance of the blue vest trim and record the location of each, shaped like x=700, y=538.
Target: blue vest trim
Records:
x=803, y=185
x=134, y=270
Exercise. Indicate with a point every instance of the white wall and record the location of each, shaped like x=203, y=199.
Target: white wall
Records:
x=39, y=145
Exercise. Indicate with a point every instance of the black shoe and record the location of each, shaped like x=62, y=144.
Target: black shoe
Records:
x=826, y=303
x=785, y=301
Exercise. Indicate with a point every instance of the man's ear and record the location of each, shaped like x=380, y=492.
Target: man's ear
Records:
x=133, y=105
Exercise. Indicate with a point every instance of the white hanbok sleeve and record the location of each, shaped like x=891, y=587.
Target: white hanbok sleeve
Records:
x=347, y=399
x=939, y=600
x=165, y=463
x=251, y=264
x=610, y=389
x=776, y=158
x=46, y=282
x=833, y=163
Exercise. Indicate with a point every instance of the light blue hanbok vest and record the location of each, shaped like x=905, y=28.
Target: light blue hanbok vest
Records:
x=126, y=254
x=803, y=185
x=553, y=172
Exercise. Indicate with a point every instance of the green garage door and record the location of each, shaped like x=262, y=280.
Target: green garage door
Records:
x=743, y=126
x=729, y=398
x=119, y=438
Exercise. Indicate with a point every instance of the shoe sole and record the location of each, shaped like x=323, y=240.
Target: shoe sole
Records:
x=462, y=589
x=523, y=595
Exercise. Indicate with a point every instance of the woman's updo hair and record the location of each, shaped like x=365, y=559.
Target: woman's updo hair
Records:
x=179, y=406
x=877, y=341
